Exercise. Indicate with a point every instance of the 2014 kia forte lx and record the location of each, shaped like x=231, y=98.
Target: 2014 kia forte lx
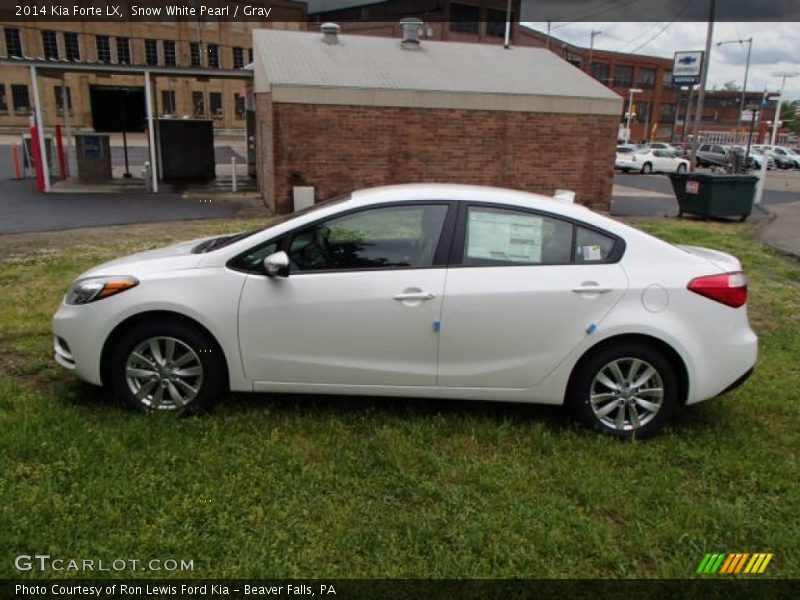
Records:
x=438, y=291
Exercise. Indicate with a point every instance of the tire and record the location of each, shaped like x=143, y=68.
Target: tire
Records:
x=601, y=415
x=179, y=367
x=681, y=168
x=647, y=168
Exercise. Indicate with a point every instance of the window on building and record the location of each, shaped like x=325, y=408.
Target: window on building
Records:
x=600, y=71
x=50, y=44
x=123, y=50
x=249, y=55
x=59, y=94
x=198, y=104
x=13, y=43
x=215, y=105
x=496, y=22
x=238, y=58
x=103, y=48
x=623, y=76
x=667, y=81
x=170, y=56
x=642, y=110
x=239, y=106
x=465, y=18
x=647, y=78
x=21, y=99
x=194, y=50
x=168, y=102
x=3, y=100
x=213, y=56
x=666, y=112
x=151, y=52
x=71, y=46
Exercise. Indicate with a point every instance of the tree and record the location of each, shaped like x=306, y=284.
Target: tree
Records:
x=731, y=86
x=790, y=120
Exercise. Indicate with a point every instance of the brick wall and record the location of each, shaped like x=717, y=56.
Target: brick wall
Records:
x=338, y=149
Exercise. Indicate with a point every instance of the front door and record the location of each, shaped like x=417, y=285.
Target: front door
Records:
x=360, y=306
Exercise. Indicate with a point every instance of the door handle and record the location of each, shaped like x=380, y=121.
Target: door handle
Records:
x=415, y=296
x=591, y=289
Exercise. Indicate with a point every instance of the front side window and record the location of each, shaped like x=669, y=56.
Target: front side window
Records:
x=386, y=237
x=504, y=237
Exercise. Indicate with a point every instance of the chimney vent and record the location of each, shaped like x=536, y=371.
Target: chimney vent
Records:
x=330, y=33
x=412, y=28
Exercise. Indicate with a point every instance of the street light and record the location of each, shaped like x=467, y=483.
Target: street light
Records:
x=630, y=110
x=784, y=76
x=749, y=42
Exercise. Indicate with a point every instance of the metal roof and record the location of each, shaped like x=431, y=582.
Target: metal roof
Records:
x=297, y=67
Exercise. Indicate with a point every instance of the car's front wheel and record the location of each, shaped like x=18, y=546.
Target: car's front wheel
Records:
x=681, y=168
x=647, y=168
x=165, y=365
x=626, y=391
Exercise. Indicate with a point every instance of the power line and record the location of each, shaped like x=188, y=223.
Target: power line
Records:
x=593, y=13
x=641, y=35
x=663, y=29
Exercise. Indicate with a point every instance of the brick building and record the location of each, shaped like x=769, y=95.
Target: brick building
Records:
x=94, y=98
x=354, y=111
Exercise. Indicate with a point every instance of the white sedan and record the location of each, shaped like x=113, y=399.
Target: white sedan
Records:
x=651, y=160
x=439, y=291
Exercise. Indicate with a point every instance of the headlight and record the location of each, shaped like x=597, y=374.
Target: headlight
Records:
x=90, y=289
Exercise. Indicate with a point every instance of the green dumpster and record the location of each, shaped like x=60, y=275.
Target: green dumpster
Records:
x=714, y=195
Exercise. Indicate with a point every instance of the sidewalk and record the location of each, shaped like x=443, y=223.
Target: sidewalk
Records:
x=783, y=230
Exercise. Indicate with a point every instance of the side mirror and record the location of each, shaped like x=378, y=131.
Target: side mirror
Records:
x=277, y=264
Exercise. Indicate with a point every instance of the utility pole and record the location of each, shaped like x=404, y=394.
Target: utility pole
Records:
x=594, y=34
x=703, y=79
x=508, y=25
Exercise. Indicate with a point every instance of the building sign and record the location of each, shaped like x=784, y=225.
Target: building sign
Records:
x=687, y=68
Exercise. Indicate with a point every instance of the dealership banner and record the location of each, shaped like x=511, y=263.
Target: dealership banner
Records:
x=687, y=68
x=427, y=589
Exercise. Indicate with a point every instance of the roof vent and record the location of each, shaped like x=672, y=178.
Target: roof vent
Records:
x=330, y=33
x=411, y=31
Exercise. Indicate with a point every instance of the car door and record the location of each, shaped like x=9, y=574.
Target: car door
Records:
x=661, y=160
x=525, y=288
x=360, y=303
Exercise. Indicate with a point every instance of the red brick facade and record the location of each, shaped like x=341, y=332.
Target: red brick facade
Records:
x=338, y=149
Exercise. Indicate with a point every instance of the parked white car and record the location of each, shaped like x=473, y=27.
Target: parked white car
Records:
x=438, y=291
x=651, y=160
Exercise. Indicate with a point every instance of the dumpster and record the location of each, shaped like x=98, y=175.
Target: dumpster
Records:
x=714, y=195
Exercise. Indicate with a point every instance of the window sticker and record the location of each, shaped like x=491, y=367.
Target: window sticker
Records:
x=592, y=253
x=505, y=236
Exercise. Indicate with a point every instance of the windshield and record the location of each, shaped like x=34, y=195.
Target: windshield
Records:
x=623, y=150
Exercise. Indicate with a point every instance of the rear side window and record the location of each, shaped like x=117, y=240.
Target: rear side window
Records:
x=592, y=246
x=498, y=236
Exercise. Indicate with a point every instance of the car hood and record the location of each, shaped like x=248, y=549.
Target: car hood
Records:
x=169, y=258
x=721, y=260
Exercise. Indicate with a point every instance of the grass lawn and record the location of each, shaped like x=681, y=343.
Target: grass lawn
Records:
x=341, y=487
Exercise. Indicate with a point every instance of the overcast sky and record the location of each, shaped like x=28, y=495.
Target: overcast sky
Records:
x=776, y=47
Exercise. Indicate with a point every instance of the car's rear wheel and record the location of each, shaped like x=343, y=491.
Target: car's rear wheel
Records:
x=166, y=366
x=626, y=391
x=647, y=168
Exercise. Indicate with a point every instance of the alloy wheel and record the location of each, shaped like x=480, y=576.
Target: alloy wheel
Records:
x=626, y=394
x=163, y=373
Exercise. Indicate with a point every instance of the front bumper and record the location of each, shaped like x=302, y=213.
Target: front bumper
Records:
x=78, y=340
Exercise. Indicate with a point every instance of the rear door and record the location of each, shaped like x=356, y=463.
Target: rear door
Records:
x=525, y=288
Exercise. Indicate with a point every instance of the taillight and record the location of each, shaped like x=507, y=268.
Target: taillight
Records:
x=729, y=289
